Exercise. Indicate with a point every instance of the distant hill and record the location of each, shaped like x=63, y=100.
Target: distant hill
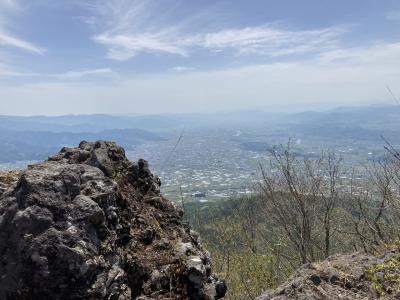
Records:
x=84, y=123
x=100, y=122
x=384, y=117
x=37, y=145
x=367, y=123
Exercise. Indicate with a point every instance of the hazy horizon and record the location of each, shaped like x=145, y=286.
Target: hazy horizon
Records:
x=210, y=113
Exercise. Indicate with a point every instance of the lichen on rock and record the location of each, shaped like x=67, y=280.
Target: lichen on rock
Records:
x=90, y=224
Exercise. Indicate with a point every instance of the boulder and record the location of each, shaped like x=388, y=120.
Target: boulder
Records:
x=90, y=224
x=351, y=276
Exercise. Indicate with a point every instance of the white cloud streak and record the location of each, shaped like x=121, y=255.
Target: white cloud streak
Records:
x=12, y=41
x=134, y=27
x=123, y=47
x=182, y=69
x=266, y=40
x=73, y=75
x=8, y=9
x=263, y=40
x=70, y=75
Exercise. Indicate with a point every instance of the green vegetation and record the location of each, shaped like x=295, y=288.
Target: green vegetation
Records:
x=385, y=277
x=302, y=212
x=245, y=261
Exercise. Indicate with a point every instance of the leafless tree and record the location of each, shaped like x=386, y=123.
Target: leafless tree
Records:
x=377, y=204
x=300, y=197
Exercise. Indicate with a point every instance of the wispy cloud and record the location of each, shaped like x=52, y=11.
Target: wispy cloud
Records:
x=123, y=47
x=70, y=75
x=393, y=15
x=8, y=9
x=262, y=40
x=267, y=40
x=9, y=40
x=183, y=69
x=134, y=27
x=105, y=72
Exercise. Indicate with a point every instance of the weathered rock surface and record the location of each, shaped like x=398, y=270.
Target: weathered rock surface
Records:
x=89, y=224
x=355, y=276
x=7, y=179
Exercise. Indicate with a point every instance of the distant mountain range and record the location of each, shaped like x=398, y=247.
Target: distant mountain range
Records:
x=17, y=145
x=354, y=123
x=369, y=116
x=35, y=137
x=84, y=123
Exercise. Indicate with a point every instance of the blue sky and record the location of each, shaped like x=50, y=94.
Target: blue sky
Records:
x=137, y=56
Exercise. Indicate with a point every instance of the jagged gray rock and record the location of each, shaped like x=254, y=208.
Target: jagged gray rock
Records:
x=90, y=224
x=349, y=277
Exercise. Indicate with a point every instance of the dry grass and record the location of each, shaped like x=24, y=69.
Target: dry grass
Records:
x=7, y=178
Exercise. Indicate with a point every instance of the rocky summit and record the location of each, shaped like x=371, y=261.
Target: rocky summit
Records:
x=90, y=224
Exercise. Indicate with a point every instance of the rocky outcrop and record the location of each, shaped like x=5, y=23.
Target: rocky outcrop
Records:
x=90, y=224
x=350, y=277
